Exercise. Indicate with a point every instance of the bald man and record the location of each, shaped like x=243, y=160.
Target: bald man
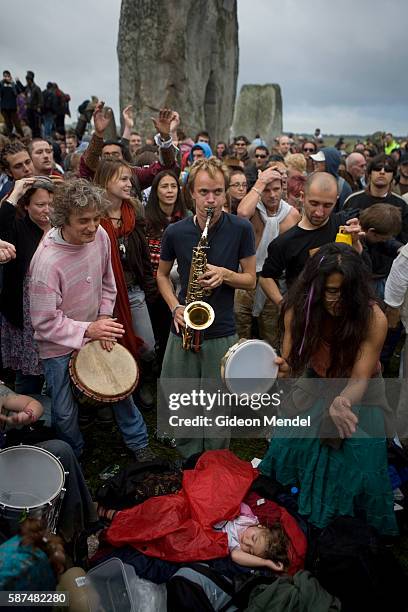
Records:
x=356, y=166
x=317, y=227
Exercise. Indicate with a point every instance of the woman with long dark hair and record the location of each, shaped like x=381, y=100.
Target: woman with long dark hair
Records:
x=165, y=205
x=333, y=335
x=24, y=220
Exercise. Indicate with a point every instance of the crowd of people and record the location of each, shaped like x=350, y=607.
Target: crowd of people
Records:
x=97, y=241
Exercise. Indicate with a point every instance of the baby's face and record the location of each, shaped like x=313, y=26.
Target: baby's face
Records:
x=252, y=541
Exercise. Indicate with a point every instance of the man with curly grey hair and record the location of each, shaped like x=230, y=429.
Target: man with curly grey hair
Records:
x=72, y=298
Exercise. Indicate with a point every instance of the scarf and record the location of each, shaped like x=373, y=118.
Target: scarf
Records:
x=122, y=307
x=271, y=231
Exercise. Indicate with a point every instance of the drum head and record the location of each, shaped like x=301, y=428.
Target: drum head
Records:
x=29, y=477
x=107, y=374
x=250, y=367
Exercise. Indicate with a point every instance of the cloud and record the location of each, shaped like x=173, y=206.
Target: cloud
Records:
x=340, y=65
x=72, y=43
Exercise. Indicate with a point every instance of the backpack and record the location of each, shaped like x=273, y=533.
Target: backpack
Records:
x=200, y=588
x=139, y=481
x=351, y=562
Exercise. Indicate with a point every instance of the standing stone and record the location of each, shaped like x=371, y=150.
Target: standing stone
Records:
x=182, y=55
x=259, y=111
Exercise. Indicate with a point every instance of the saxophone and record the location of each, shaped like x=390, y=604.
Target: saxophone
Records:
x=198, y=314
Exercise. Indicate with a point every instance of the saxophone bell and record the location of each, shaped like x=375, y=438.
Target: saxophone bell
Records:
x=199, y=315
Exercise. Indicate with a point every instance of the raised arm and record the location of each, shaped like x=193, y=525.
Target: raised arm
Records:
x=129, y=122
x=248, y=204
x=8, y=208
x=89, y=161
x=163, y=124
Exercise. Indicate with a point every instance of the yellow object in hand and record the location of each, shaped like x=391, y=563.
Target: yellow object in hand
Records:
x=343, y=237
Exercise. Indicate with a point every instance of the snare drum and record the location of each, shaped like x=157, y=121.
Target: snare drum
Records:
x=31, y=485
x=102, y=377
x=249, y=367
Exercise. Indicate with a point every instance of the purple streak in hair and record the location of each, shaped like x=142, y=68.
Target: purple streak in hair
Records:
x=308, y=304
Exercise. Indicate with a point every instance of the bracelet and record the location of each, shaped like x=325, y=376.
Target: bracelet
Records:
x=173, y=312
x=30, y=413
x=257, y=191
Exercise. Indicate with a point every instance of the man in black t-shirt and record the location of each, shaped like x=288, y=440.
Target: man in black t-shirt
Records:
x=318, y=226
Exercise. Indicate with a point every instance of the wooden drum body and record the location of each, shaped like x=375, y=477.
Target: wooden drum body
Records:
x=102, y=377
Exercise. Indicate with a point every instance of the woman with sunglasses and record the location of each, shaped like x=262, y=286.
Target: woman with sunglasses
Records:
x=333, y=335
x=24, y=220
x=309, y=148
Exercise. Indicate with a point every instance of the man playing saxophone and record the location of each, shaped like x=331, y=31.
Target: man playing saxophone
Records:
x=230, y=255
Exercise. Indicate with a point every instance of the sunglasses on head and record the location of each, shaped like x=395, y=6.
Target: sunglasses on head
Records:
x=379, y=167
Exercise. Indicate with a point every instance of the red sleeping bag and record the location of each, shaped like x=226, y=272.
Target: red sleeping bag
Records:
x=270, y=512
x=178, y=527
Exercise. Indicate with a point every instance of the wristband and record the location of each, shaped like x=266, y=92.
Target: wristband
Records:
x=173, y=312
x=30, y=414
x=257, y=191
x=163, y=144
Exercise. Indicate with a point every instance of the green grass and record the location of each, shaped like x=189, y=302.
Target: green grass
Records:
x=104, y=447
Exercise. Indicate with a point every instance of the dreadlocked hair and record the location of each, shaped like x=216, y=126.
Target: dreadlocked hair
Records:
x=34, y=533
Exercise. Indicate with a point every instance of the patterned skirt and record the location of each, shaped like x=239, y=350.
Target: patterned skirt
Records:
x=19, y=350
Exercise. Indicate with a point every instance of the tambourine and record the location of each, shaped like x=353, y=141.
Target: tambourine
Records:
x=249, y=367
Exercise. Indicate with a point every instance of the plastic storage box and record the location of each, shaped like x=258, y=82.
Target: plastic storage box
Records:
x=109, y=587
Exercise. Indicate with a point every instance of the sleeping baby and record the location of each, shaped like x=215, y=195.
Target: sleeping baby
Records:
x=253, y=545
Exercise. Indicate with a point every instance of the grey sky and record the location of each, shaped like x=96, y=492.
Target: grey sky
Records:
x=341, y=65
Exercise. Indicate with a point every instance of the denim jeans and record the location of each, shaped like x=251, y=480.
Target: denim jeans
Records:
x=141, y=321
x=48, y=125
x=379, y=287
x=65, y=409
